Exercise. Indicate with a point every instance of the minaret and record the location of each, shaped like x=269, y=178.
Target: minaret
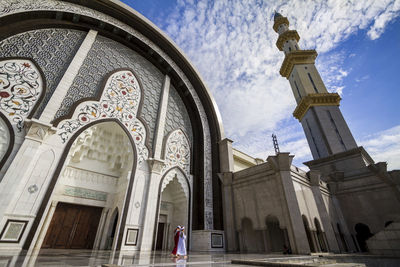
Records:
x=318, y=110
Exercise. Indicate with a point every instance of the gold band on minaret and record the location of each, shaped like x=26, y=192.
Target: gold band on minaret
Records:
x=297, y=57
x=326, y=99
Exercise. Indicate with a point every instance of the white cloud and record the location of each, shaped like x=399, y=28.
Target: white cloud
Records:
x=384, y=146
x=391, y=11
x=232, y=44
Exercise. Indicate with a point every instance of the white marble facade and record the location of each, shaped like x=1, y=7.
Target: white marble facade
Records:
x=106, y=128
x=108, y=117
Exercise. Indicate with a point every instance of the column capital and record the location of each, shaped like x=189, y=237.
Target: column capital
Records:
x=38, y=130
x=315, y=177
x=281, y=162
x=156, y=165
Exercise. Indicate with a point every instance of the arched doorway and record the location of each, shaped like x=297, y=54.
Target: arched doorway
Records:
x=363, y=233
x=250, y=240
x=173, y=208
x=320, y=236
x=308, y=233
x=275, y=235
x=95, y=176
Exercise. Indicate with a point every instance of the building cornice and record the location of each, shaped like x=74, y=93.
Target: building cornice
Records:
x=326, y=99
x=297, y=57
x=287, y=35
x=280, y=20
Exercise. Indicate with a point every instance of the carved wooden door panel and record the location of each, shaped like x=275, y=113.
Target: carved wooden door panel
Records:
x=72, y=226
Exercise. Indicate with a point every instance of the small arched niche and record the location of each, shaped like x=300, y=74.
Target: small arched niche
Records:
x=275, y=235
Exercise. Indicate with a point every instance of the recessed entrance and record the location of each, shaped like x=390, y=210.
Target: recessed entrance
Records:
x=73, y=227
x=173, y=211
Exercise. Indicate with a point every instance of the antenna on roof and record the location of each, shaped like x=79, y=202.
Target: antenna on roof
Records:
x=275, y=142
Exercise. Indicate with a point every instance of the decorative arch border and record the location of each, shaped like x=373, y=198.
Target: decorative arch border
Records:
x=178, y=173
x=189, y=226
x=120, y=98
x=24, y=106
x=12, y=140
x=169, y=155
x=56, y=175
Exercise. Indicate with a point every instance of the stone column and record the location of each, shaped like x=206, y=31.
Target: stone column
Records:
x=16, y=177
x=156, y=164
x=281, y=164
x=226, y=177
x=315, y=178
x=100, y=235
x=66, y=81
x=46, y=225
x=162, y=113
x=347, y=235
x=151, y=204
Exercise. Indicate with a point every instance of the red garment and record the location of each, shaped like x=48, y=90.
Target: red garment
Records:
x=176, y=240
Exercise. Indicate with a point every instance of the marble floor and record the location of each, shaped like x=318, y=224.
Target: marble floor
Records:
x=59, y=257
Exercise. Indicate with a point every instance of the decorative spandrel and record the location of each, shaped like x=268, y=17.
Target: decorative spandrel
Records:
x=177, y=152
x=51, y=49
x=120, y=100
x=21, y=86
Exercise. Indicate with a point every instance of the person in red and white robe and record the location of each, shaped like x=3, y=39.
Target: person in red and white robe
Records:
x=176, y=241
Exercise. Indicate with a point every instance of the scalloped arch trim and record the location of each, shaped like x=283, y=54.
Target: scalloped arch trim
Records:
x=120, y=100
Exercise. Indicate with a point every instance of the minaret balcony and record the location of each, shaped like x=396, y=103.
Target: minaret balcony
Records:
x=278, y=21
x=286, y=36
x=324, y=99
x=295, y=58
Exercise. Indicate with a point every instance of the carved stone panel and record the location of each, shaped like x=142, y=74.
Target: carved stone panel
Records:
x=177, y=116
x=52, y=50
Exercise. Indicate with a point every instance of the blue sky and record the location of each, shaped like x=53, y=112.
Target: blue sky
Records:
x=232, y=44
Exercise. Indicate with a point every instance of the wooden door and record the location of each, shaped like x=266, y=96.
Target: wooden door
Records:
x=160, y=236
x=72, y=226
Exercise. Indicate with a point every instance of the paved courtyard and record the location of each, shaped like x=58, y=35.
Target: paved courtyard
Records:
x=108, y=258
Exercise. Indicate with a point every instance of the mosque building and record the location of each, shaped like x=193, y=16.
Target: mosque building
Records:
x=109, y=138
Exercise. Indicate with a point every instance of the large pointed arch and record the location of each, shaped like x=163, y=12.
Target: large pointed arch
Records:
x=56, y=175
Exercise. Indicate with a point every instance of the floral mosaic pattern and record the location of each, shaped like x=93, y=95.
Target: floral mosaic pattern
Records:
x=177, y=151
x=20, y=89
x=120, y=100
